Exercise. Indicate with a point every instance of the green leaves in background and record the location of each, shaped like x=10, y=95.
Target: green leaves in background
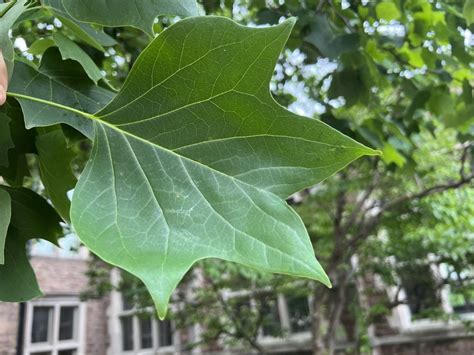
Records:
x=330, y=43
x=9, y=13
x=61, y=82
x=468, y=11
x=55, y=169
x=179, y=173
x=22, y=143
x=31, y=217
x=387, y=10
x=139, y=13
x=70, y=50
x=83, y=31
x=5, y=215
x=6, y=142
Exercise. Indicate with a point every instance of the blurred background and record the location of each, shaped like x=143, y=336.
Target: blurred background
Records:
x=394, y=233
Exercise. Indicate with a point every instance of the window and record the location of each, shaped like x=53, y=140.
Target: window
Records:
x=53, y=327
x=280, y=314
x=141, y=331
x=422, y=293
x=298, y=313
x=271, y=317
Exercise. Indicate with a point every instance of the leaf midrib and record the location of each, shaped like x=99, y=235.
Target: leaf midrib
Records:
x=181, y=157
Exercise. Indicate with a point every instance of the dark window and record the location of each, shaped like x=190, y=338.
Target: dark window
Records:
x=40, y=331
x=67, y=323
x=298, y=311
x=165, y=333
x=127, y=302
x=68, y=352
x=420, y=288
x=42, y=353
x=146, y=335
x=271, y=325
x=127, y=333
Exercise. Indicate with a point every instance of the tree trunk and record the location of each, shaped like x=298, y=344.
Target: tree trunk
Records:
x=336, y=307
x=318, y=302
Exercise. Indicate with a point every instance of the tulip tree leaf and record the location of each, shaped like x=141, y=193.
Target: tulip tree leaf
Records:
x=83, y=31
x=192, y=160
x=138, y=13
x=31, y=217
x=55, y=169
x=9, y=13
x=70, y=50
x=468, y=11
x=22, y=144
x=5, y=215
x=6, y=142
x=41, y=45
x=61, y=82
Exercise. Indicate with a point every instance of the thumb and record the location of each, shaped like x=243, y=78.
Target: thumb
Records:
x=3, y=80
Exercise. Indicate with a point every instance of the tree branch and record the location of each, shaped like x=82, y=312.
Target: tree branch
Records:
x=425, y=193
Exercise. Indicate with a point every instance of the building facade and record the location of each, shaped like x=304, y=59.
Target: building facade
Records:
x=60, y=323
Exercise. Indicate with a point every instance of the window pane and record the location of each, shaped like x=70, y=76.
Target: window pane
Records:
x=40, y=331
x=165, y=333
x=146, y=335
x=421, y=289
x=67, y=323
x=271, y=317
x=68, y=352
x=127, y=302
x=127, y=333
x=42, y=353
x=298, y=311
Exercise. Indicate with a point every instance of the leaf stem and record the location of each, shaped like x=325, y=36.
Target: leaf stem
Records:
x=54, y=104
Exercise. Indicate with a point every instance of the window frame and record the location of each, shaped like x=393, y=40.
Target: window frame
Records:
x=403, y=318
x=54, y=345
x=283, y=312
x=134, y=314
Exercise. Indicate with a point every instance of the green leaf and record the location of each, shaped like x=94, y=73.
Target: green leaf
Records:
x=9, y=13
x=18, y=278
x=70, y=50
x=85, y=32
x=31, y=217
x=61, y=82
x=468, y=11
x=329, y=43
x=55, y=169
x=40, y=46
x=5, y=215
x=181, y=172
x=139, y=13
x=387, y=11
x=23, y=143
x=391, y=155
x=6, y=142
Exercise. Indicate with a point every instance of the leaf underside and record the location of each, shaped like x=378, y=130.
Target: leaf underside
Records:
x=6, y=22
x=31, y=217
x=5, y=215
x=193, y=159
x=138, y=13
x=62, y=82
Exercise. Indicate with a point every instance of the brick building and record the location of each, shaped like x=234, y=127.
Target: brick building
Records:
x=61, y=324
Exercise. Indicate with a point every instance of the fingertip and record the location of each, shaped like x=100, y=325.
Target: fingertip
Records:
x=3, y=96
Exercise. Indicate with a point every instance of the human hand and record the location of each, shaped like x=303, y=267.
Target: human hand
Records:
x=3, y=80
